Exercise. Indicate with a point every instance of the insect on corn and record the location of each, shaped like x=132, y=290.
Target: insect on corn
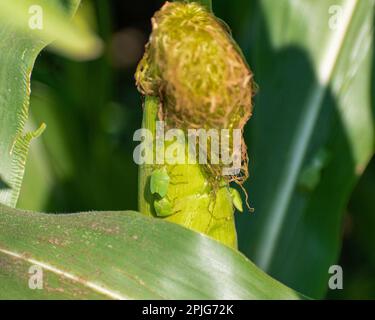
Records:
x=194, y=77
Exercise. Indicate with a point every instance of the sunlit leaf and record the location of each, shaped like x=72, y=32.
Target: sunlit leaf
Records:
x=19, y=47
x=123, y=255
x=313, y=61
x=45, y=21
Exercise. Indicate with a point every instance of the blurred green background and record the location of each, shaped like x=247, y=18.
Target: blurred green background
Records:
x=84, y=160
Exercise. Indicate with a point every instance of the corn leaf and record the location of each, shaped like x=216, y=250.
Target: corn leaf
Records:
x=21, y=40
x=122, y=255
x=312, y=134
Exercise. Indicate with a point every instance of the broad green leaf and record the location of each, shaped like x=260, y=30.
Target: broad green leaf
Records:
x=19, y=48
x=123, y=255
x=15, y=275
x=45, y=21
x=358, y=254
x=361, y=209
x=313, y=62
x=45, y=166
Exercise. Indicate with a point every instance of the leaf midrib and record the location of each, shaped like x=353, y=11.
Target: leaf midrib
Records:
x=88, y=284
x=279, y=206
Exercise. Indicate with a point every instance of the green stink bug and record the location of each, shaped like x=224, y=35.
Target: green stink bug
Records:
x=159, y=182
x=159, y=185
x=163, y=207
